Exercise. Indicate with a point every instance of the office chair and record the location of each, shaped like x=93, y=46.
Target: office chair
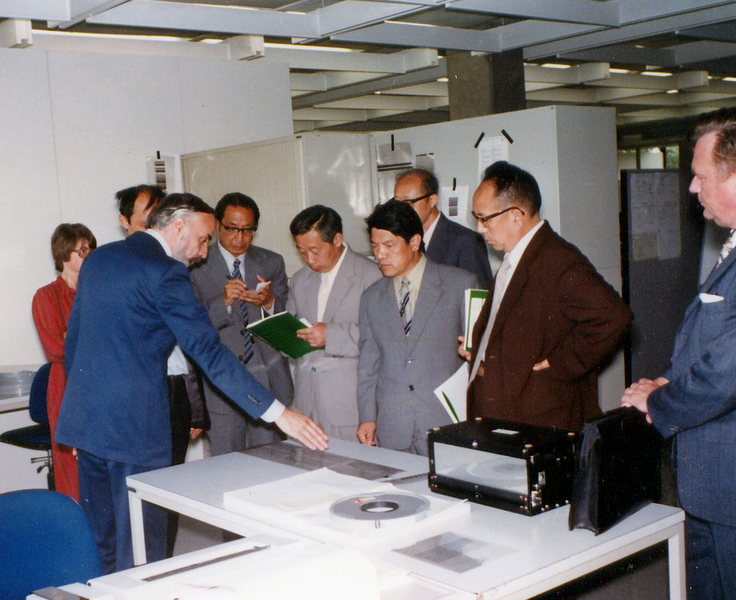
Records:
x=36, y=437
x=45, y=540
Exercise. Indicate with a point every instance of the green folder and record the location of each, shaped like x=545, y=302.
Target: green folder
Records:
x=474, y=300
x=279, y=331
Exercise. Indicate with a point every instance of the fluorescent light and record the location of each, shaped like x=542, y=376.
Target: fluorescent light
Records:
x=729, y=79
x=619, y=70
x=404, y=23
x=554, y=66
x=113, y=36
x=443, y=80
x=300, y=47
x=211, y=41
x=673, y=91
x=656, y=74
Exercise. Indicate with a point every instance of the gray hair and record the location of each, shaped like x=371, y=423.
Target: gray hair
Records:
x=175, y=206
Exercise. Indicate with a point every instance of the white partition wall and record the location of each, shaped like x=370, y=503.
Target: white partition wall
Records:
x=76, y=127
x=286, y=175
x=272, y=173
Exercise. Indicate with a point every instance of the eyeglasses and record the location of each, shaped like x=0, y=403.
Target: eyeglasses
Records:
x=246, y=231
x=83, y=251
x=412, y=200
x=487, y=218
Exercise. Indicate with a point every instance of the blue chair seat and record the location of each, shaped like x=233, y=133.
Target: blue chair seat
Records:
x=33, y=437
x=45, y=540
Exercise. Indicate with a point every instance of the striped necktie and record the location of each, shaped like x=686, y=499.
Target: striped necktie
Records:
x=248, y=343
x=404, y=306
x=726, y=249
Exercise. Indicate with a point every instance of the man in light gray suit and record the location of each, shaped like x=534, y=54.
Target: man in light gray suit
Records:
x=327, y=293
x=409, y=324
x=240, y=282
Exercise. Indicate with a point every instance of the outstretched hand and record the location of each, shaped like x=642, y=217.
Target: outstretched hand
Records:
x=299, y=426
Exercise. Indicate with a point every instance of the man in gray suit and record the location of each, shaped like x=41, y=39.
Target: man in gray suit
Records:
x=327, y=293
x=239, y=284
x=409, y=324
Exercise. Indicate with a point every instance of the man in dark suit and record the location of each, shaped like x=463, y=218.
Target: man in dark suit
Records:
x=134, y=303
x=550, y=319
x=409, y=322
x=185, y=396
x=695, y=399
x=240, y=281
x=445, y=241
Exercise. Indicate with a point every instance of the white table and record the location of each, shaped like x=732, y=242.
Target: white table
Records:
x=536, y=554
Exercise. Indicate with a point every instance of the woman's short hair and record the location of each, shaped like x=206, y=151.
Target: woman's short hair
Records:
x=64, y=239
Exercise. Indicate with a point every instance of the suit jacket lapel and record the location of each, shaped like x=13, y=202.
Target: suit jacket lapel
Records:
x=439, y=241
x=429, y=295
x=388, y=309
x=719, y=272
x=311, y=292
x=341, y=286
x=712, y=279
x=217, y=267
x=516, y=286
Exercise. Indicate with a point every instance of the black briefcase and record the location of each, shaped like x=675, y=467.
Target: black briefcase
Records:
x=617, y=469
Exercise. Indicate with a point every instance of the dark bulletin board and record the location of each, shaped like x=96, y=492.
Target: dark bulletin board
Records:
x=662, y=237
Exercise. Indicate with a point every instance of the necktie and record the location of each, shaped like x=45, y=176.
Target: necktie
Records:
x=248, y=344
x=726, y=249
x=499, y=288
x=404, y=306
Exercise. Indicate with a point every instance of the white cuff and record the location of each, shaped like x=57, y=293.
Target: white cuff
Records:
x=273, y=412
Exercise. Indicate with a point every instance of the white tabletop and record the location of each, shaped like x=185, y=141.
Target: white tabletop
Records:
x=524, y=554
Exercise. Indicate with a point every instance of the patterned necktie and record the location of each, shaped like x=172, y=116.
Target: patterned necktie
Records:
x=248, y=344
x=404, y=306
x=726, y=249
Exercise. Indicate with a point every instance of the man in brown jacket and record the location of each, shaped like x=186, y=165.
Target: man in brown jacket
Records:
x=550, y=320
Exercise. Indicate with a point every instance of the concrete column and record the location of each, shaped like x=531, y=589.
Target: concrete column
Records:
x=485, y=84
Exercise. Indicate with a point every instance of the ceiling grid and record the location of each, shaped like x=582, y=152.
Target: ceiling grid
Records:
x=374, y=64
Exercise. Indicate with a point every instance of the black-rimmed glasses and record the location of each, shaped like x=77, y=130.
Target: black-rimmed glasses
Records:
x=247, y=231
x=487, y=218
x=412, y=200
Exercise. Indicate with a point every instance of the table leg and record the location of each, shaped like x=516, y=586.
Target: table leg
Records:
x=136, y=529
x=676, y=552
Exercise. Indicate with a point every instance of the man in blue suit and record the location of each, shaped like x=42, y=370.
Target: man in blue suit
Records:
x=695, y=399
x=134, y=303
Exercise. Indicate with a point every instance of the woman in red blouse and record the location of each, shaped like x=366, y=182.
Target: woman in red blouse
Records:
x=70, y=243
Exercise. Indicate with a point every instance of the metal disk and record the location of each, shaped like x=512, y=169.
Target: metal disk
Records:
x=379, y=507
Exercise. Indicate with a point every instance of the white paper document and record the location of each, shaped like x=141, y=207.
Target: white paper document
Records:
x=490, y=150
x=453, y=392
